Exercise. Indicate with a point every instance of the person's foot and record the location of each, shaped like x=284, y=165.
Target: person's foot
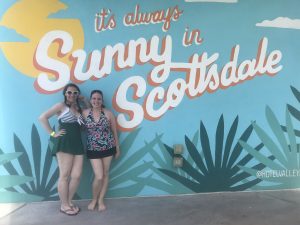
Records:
x=75, y=207
x=101, y=206
x=92, y=205
x=68, y=211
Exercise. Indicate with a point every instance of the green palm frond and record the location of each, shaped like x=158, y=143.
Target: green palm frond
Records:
x=14, y=197
x=6, y=158
x=13, y=180
x=44, y=181
x=164, y=160
x=284, y=171
x=9, y=181
x=221, y=172
x=129, y=190
x=125, y=174
x=294, y=111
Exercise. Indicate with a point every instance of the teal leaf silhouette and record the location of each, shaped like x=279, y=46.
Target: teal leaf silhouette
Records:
x=219, y=173
x=294, y=111
x=36, y=153
x=125, y=170
x=14, y=197
x=13, y=180
x=44, y=180
x=5, y=158
x=9, y=181
x=284, y=171
x=130, y=190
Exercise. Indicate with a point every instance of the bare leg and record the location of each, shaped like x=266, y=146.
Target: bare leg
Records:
x=106, y=165
x=75, y=178
x=98, y=172
x=65, y=162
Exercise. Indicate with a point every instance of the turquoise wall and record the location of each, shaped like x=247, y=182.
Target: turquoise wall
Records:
x=221, y=78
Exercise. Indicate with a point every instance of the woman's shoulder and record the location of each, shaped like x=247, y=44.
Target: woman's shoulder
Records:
x=86, y=112
x=107, y=112
x=61, y=106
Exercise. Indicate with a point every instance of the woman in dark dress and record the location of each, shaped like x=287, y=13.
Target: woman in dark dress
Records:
x=68, y=146
x=102, y=145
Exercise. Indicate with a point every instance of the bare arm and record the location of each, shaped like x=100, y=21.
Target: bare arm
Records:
x=86, y=112
x=44, y=117
x=86, y=104
x=114, y=130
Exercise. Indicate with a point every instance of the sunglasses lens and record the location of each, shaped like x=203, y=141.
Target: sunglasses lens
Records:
x=70, y=92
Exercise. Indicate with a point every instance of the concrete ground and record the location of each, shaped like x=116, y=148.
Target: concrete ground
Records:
x=238, y=208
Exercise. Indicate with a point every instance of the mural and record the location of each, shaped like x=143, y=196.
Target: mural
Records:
x=219, y=77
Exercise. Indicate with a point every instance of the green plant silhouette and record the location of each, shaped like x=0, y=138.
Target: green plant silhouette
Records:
x=294, y=112
x=221, y=173
x=125, y=174
x=9, y=181
x=159, y=180
x=284, y=172
x=44, y=183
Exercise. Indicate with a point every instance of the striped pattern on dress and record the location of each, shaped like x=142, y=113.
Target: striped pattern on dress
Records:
x=68, y=116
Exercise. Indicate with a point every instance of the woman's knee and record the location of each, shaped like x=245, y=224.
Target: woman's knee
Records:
x=98, y=175
x=64, y=177
x=64, y=174
x=98, y=178
x=76, y=176
x=105, y=174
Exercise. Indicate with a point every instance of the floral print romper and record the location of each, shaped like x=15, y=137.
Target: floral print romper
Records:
x=100, y=139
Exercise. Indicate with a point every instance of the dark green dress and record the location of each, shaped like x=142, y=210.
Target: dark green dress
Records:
x=71, y=141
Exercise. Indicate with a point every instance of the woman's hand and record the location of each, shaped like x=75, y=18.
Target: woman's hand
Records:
x=84, y=101
x=118, y=152
x=81, y=98
x=59, y=133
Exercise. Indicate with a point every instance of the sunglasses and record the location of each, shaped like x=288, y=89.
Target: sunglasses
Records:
x=72, y=92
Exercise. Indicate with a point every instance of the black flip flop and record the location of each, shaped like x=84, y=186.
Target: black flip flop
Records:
x=74, y=208
x=66, y=212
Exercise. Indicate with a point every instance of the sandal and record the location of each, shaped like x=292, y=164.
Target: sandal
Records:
x=69, y=212
x=75, y=208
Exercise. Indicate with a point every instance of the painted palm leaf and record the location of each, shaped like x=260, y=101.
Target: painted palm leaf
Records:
x=284, y=172
x=8, y=181
x=13, y=180
x=221, y=172
x=14, y=197
x=44, y=181
x=126, y=173
x=163, y=160
x=294, y=111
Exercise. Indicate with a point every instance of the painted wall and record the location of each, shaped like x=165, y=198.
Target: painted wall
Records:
x=221, y=78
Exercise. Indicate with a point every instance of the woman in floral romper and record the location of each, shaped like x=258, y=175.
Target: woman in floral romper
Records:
x=102, y=145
